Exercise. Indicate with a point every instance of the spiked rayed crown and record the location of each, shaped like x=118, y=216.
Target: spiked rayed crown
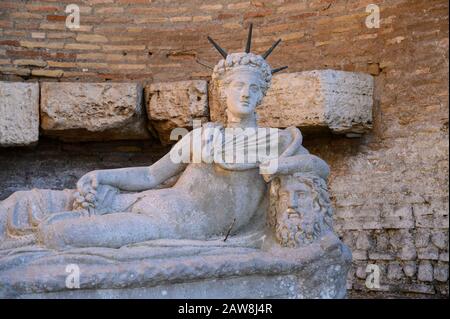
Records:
x=244, y=60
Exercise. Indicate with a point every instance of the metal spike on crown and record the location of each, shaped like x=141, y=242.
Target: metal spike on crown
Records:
x=224, y=53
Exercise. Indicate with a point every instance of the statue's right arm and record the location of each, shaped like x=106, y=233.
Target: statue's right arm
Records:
x=137, y=178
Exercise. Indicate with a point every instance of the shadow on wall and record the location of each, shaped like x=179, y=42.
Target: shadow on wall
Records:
x=58, y=165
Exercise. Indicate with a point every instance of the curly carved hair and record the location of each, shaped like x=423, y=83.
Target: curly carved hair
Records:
x=242, y=60
x=223, y=70
x=322, y=211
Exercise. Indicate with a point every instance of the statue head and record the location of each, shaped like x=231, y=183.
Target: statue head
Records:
x=242, y=79
x=300, y=209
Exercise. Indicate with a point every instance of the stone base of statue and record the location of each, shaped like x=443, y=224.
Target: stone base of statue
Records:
x=178, y=269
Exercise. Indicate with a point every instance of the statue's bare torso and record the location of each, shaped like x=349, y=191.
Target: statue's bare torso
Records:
x=227, y=199
x=230, y=197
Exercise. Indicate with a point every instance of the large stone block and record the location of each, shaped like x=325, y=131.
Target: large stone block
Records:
x=19, y=113
x=175, y=105
x=93, y=111
x=193, y=271
x=313, y=101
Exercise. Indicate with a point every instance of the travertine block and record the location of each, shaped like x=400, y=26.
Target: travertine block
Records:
x=19, y=113
x=175, y=105
x=314, y=100
x=93, y=111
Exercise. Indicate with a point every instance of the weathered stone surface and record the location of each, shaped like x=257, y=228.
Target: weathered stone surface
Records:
x=360, y=271
x=403, y=242
x=188, y=270
x=440, y=239
x=314, y=100
x=425, y=271
x=47, y=73
x=441, y=272
x=409, y=268
x=15, y=71
x=359, y=254
x=363, y=241
x=442, y=288
x=418, y=288
x=30, y=62
x=380, y=256
x=408, y=252
x=93, y=111
x=430, y=252
x=394, y=271
x=422, y=238
x=19, y=113
x=175, y=105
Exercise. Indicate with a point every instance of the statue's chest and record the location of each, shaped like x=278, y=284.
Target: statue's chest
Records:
x=236, y=146
x=212, y=179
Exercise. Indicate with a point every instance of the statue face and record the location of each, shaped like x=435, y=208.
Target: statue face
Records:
x=298, y=222
x=243, y=92
x=295, y=197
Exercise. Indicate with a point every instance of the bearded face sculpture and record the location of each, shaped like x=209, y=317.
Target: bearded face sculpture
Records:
x=300, y=209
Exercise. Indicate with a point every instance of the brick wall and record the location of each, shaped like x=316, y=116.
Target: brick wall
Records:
x=390, y=188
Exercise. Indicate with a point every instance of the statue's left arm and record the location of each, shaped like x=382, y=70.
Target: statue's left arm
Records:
x=291, y=150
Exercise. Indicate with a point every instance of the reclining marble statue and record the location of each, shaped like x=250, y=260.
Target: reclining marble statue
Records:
x=270, y=217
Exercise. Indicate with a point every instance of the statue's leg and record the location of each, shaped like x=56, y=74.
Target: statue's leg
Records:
x=111, y=202
x=134, y=218
x=111, y=230
x=158, y=214
x=21, y=212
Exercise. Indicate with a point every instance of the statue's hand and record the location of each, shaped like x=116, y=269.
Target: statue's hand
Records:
x=93, y=196
x=87, y=185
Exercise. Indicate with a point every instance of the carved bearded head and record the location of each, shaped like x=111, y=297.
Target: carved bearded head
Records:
x=300, y=209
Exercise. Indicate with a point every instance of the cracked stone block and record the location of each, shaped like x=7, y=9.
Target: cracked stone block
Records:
x=93, y=111
x=19, y=113
x=173, y=105
x=314, y=101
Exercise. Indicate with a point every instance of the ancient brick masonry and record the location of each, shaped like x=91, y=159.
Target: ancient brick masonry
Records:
x=389, y=187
